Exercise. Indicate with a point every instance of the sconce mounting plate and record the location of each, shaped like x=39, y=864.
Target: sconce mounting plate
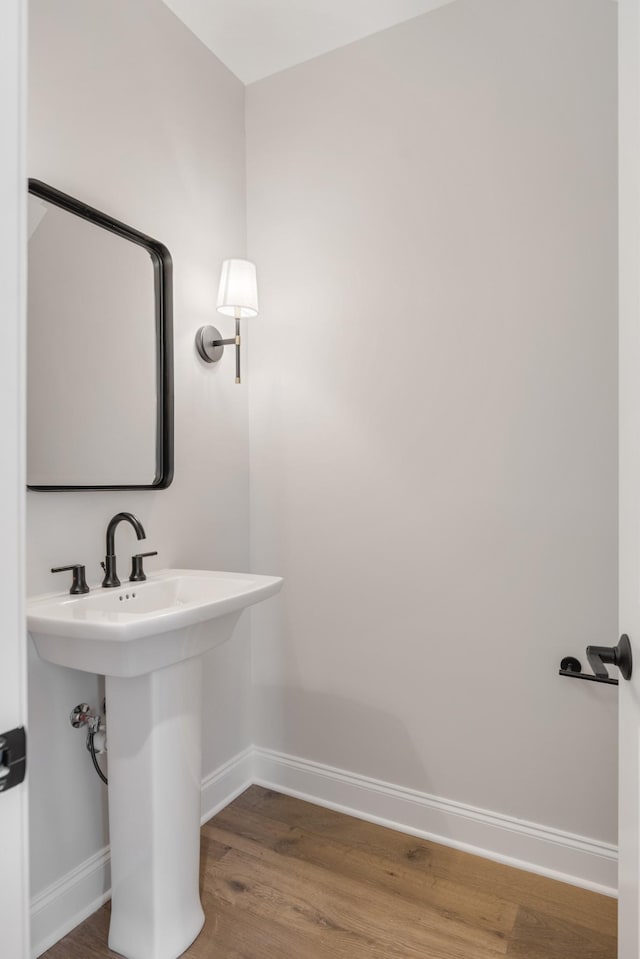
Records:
x=205, y=344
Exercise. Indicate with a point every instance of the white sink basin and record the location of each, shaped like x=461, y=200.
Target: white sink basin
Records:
x=140, y=627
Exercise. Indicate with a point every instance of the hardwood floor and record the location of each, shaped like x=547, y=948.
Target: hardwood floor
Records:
x=283, y=879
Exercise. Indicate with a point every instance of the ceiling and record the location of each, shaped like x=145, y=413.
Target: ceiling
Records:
x=255, y=38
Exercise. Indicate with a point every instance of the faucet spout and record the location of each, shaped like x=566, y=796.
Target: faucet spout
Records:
x=110, y=575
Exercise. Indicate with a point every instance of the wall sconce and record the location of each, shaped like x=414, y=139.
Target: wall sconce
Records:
x=237, y=297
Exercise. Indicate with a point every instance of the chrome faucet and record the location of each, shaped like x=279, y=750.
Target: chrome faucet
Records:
x=109, y=565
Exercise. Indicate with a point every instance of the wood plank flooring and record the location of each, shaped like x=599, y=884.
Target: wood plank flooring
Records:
x=284, y=879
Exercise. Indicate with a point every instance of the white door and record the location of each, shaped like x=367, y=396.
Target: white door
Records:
x=629, y=742
x=14, y=886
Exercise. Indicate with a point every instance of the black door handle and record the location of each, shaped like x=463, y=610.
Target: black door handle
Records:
x=598, y=656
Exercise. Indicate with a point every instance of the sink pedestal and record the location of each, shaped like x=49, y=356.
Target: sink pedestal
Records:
x=155, y=742
x=147, y=639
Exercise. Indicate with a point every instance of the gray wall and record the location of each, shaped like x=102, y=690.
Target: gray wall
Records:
x=129, y=112
x=433, y=406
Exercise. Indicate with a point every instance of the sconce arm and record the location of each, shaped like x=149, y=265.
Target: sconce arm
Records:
x=210, y=345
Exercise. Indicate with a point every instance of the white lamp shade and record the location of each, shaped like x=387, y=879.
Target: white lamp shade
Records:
x=238, y=290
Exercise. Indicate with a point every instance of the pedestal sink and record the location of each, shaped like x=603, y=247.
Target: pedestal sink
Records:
x=147, y=639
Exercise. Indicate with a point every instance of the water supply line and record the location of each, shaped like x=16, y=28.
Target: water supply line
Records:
x=92, y=751
x=84, y=715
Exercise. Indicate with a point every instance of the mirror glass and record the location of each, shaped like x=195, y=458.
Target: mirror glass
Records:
x=99, y=364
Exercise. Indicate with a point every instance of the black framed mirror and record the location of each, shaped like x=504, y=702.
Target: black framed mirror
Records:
x=99, y=350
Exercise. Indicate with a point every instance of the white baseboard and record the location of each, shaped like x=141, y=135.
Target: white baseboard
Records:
x=582, y=862
x=70, y=900
x=225, y=783
x=540, y=849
